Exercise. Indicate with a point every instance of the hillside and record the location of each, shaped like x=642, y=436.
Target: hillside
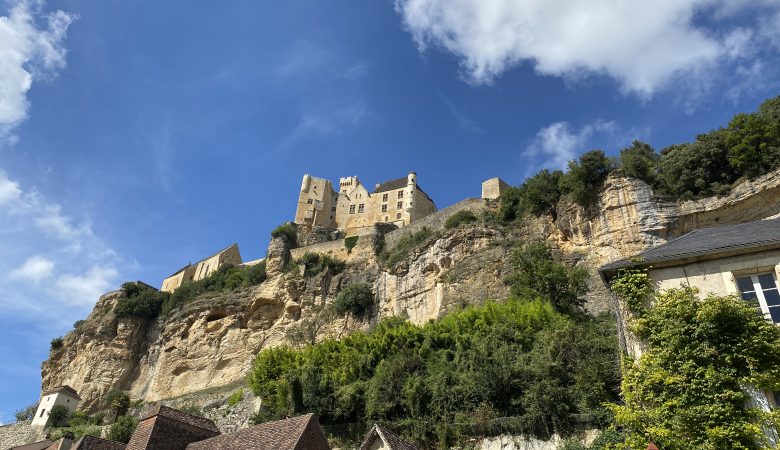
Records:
x=211, y=341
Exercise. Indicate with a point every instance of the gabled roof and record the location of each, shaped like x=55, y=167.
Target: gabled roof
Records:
x=87, y=442
x=392, y=185
x=297, y=433
x=706, y=243
x=163, y=428
x=180, y=416
x=40, y=445
x=64, y=389
x=391, y=440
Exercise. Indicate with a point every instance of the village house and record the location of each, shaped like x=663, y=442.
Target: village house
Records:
x=380, y=438
x=354, y=208
x=61, y=395
x=203, y=268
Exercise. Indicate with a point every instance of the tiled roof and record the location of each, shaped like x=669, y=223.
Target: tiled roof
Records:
x=163, y=428
x=40, y=445
x=707, y=243
x=392, y=440
x=297, y=433
x=391, y=185
x=65, y=389
x=96, y=443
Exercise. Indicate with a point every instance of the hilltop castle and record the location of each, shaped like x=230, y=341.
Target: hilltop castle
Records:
x=353, y=208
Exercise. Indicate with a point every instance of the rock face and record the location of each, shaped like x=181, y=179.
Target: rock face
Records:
x=211, y=341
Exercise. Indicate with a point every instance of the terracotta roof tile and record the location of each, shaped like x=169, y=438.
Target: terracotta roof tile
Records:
x=164, y=428
x=87, y=442
x=40, y=445
x=65, y=389
x=392, y=440
x=297, y=433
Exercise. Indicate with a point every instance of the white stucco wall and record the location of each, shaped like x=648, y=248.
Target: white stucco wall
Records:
x=48, y=402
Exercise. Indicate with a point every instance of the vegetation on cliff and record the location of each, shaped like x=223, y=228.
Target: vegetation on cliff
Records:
x=748, y=147
x=520, y=366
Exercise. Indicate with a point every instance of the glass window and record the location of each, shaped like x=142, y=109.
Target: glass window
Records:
x=761, y=289
x=400, y=194
x=399, y=205
x=361, y=208
x=309, y=201
x=384, y=197
x=384, y=208
x=352, y=209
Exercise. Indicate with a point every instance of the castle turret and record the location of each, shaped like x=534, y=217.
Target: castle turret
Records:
x=306, y=183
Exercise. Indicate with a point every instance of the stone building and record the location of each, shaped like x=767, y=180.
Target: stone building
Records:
x=60, y=395
x=493, y=188
x=354, y=208
x=202, y=268
x=380, y=438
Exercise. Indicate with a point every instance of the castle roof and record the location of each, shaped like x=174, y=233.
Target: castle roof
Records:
x=64, y=389
x=706, y=244
x=297, y=433
x=398, y=183
x=391, y=440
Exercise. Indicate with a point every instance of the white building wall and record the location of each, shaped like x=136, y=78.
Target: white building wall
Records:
x=48, y=402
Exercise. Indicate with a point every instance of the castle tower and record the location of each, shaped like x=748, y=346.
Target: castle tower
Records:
x=60, y=395
x=316, y=203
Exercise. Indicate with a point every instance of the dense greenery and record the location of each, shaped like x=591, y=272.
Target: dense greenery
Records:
x=288, y=231
x=26, y=413
x=460, y=218
x=702, y=357
x=350, y=243
x=122, y=429
x=749, y=146
x=226, y=278
x=80, y=418
x=58, y=416
x=518, y=366
x=119, y=401
x=140, y=300
x=355, y=299
x=315, y=263
x=406, y=244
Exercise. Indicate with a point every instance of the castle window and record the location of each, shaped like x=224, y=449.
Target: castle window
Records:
x=384, y=208
x=384, y=197
x=400, y=205
x=361, y=208
x=400, y=194
x=352, y=209
x=309, y=201
x=42, y=411
x=398, y=216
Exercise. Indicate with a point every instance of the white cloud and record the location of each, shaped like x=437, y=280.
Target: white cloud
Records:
x=557, y=143
x=35, y=269
x=31, y=48
x=644, y=46
x=325, y=123
x=84, y=289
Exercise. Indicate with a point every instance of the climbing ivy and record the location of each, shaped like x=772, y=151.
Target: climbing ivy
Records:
x=634, y=287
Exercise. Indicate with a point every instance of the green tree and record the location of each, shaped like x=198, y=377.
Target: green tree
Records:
x=697, y=169
x=640, y=161
x=585, y=177
x=753, y=142
x=122, y=430
x=140, y=301
x=689, y=389
x=355, y=298
x=58, y=416
x=119, y=402
x=540, y=193
x=26, y=413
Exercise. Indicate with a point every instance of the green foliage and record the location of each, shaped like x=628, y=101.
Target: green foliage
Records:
x=571, y=444
x=350, y=243
x=406, y=244
x=640, y=161
x=518, y=366
x=58, y=416
x=585, y=177
x=78, y=324
x=77, y=431
x=355, y=298
x=226, y=278
x=634, y=287
x=140, y=301
x=537, y=195
x=119, y=401
x=288, y=230
x=316, y=263
x=80, y=418
x=56, y=343
x=753, y=140
x=697, y=169
x=537, y=275
x=235, y=398
x=460, y=218
x=26, y=413
x=689, y=389
x=122, y=429
x=191, y=409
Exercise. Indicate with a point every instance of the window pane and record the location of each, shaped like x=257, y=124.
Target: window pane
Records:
x=772, y=297
x=775, y=313
x=745, y=284
x=750, y=296
x=767, y=281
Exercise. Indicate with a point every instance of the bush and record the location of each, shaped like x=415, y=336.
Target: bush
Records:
x=355, y=299
x=26, y=413
x=140, y=301
x=406, y=244
x=315, y=263
x=697, y=169
x=56, y=343
x=585, y=178
x=255, y=274
x=78, y=324
x=122, y=429
x=235, y=398
x=350, y=243
x=58, y=416
x=80, y=418
x=460, y=218
x=119, y=402
x=288, y=231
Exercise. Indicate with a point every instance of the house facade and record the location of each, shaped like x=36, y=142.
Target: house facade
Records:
x=60, y=395
x=203, y=268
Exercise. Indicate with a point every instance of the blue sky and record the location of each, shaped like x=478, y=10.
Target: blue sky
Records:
x=138, y=136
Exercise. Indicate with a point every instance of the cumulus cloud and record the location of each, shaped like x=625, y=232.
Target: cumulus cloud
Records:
x=558, y=143
x=34, y=269
x=31, y=48
x=644, y=46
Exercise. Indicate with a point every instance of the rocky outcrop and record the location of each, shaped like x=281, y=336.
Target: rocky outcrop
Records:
x=211, y=341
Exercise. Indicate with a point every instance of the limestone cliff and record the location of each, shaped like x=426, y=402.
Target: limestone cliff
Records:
x=211, y=341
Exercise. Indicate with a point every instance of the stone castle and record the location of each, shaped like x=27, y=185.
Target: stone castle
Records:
x=354, y=209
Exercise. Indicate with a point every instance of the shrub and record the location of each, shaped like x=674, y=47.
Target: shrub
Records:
x=119, y=402
x=235, y=398
x=585, y=177
x=140, y=301
x=350, y=243
x=78, y=324
x=406, y=244
x=640, y=161
x=460, y=218
x=315, y=263
x=540, y=193
x=58, y=416
x=26, y=413
x=355, y=299
x=255, y=274
x=80, y=418
x=306, y=330
x=122, y=429
x=225, y=278
x=56, y=343
x=288, y=231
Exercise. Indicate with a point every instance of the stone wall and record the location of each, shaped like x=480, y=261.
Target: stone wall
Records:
x=19, y=433
x=337, y=249
x=509, y=442
x=436, y=220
